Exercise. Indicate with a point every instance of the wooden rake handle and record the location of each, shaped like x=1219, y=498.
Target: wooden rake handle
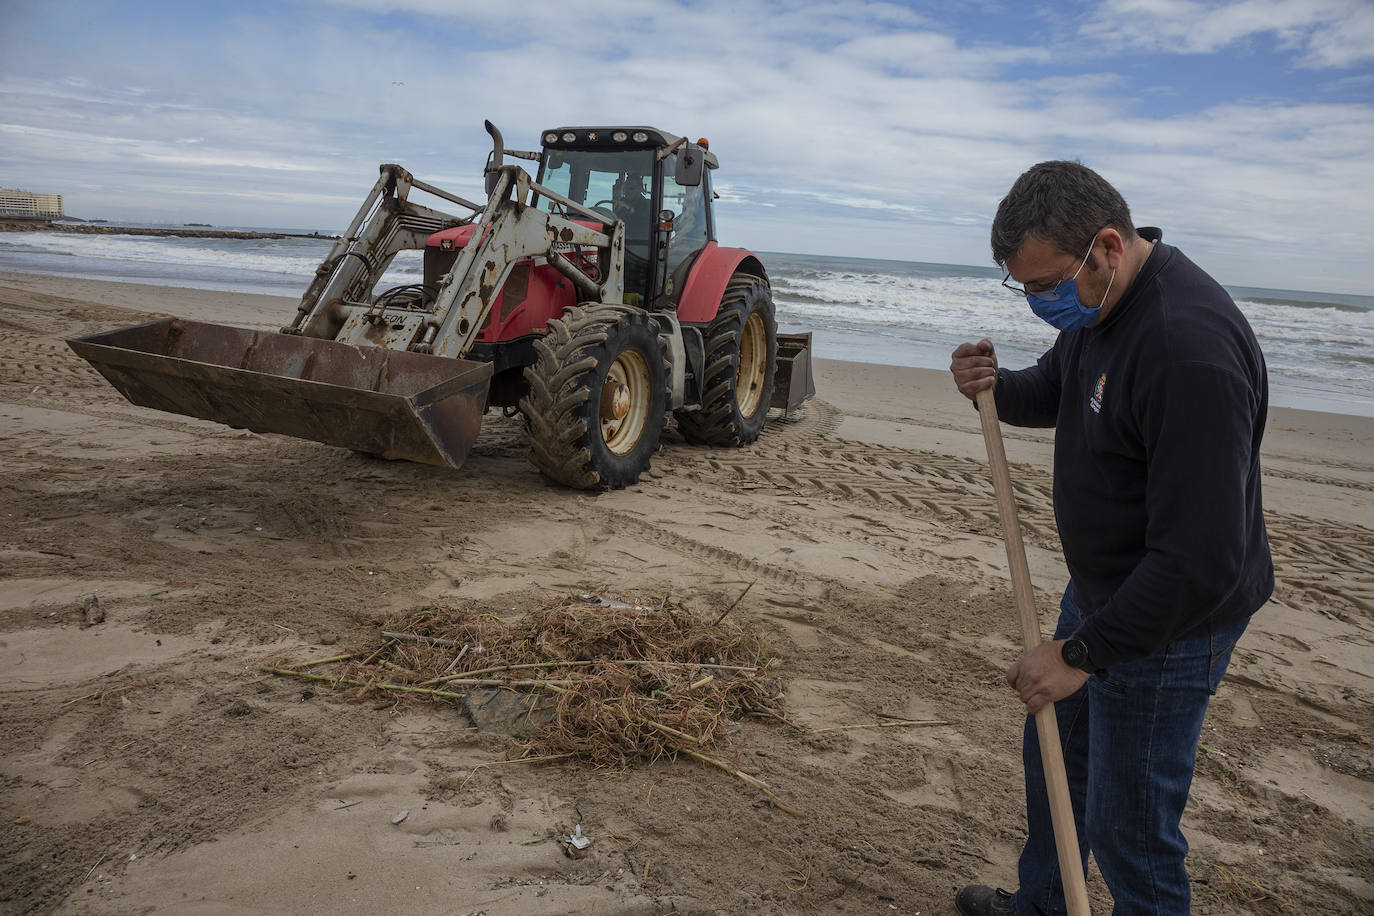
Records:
x=1051, y=754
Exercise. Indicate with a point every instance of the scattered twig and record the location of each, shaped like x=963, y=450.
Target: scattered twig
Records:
x=383, y=685
x=94, y=867
x=504, y=682
x=426, y=640
x=899, y=724
x=753, y=781
x=323, y=661
x=543, y=758
x=386, y=644
x=587, y=664
x=457, y=658
x=727, y=611
x=1240, y=891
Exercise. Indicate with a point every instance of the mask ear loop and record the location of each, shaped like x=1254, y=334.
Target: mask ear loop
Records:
x=1108, y=289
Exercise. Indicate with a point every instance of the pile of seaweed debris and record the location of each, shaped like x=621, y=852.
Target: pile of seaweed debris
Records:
x=616, y=681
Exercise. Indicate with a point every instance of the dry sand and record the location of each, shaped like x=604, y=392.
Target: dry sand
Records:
x=147, y=767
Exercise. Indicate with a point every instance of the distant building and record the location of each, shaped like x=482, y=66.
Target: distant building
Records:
x=16, y=204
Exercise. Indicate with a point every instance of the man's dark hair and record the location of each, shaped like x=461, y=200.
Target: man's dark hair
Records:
x=1062, y=203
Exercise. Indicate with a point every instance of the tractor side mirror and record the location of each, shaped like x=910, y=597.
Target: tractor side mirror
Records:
x=690, y=162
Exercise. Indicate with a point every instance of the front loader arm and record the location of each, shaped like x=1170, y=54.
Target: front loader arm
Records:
x=508, y=230
x=386, y=223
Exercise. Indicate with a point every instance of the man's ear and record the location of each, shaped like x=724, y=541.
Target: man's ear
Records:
x=1114, y=246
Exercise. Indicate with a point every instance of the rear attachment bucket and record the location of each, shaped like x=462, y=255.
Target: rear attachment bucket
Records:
x=391, y=403
x=793, y=382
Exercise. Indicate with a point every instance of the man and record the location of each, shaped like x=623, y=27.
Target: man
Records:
x=1158, y=393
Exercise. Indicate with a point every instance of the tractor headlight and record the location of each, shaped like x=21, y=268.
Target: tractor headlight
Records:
x=641, y=137
x=620, y=136
x=551, y=137
x=569, y=137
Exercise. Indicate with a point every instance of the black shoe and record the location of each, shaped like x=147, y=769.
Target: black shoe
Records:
x=979, y=900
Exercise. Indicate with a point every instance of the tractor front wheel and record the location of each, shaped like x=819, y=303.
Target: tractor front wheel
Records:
x=598, y=396
x=741, y=346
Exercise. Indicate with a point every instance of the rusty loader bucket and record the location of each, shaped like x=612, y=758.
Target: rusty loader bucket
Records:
x=391, y=403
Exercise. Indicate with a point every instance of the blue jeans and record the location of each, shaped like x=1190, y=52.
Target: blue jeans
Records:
x=1129, y=742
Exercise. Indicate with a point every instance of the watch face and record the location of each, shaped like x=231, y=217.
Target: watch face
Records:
x=1075, y=653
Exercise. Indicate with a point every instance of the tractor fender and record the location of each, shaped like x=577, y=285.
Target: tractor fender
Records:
x=711, y=271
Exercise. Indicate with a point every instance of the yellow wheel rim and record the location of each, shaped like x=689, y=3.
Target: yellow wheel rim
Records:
x=753, y=365
x=624, y=402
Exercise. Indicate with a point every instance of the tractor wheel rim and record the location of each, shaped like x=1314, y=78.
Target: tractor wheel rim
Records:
x=753, y=364
x=624, y=402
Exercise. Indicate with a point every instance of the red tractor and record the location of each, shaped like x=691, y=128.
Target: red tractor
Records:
x=594, y=301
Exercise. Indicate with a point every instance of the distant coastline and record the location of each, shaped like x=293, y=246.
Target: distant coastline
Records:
x=106, y=229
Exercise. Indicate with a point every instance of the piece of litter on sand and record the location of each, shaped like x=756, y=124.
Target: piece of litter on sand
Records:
x=400, y=817
x=575, y=840
x=93, y=613
x=618, y=605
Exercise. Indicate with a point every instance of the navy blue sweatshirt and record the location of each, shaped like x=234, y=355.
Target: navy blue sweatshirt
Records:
x=1158, y=415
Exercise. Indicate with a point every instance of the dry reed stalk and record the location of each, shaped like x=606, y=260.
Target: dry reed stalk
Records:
x=370, y=685
x=756, y=783
x=323, y=661
x=427, y=640
x=899, y=724
x=587, y=664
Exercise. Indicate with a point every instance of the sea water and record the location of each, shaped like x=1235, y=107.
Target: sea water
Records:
x=1319, y=347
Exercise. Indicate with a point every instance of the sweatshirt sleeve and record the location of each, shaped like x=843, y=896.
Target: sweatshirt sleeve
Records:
x=1030, y=397
x=1197, y=422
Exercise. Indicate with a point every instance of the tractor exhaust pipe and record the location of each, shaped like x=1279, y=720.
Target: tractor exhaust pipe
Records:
x=498, y=151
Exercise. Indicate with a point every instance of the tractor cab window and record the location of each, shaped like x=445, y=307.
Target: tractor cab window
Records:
x=690, y=229
x=617, y=183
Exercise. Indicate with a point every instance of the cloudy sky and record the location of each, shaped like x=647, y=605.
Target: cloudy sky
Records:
x=1245, y=128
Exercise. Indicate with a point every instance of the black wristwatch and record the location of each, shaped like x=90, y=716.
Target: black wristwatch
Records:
x=1075, y=655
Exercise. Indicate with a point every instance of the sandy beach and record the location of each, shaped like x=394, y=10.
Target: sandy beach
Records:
x=148, y=766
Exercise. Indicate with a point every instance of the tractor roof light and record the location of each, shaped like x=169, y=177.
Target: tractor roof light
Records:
x=620, y=136
x=641, y=137
x=703, y=143
x=569, y=136
x=551, y=137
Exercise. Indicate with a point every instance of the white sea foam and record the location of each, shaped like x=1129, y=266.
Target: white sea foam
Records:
x=866, y=310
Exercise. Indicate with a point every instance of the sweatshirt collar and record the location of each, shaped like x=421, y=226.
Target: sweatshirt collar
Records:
x=1158, y=257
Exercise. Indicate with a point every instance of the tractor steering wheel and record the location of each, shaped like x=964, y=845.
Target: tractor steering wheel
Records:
x=608, y=209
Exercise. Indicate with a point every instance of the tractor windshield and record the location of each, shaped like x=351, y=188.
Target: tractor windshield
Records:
x=618, y=183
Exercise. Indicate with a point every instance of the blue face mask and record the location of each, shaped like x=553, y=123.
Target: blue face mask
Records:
x=1066, y=313
x=1061, y=307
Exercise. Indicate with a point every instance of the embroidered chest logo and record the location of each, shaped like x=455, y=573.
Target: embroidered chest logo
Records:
x=1096, y=402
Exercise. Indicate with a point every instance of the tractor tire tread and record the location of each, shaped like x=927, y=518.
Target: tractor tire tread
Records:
x=557, y=416
x=718, y=421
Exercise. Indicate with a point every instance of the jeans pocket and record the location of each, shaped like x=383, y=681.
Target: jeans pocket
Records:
x=1223, y=644
x=1110, y=686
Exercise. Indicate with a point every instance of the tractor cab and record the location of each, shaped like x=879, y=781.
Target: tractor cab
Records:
x=656, y=183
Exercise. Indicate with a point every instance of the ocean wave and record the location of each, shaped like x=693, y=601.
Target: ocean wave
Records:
x=906, y=311
x=1304, y=304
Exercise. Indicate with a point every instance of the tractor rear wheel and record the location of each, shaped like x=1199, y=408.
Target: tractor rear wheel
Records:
x=598, y=396
x=741, y=346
